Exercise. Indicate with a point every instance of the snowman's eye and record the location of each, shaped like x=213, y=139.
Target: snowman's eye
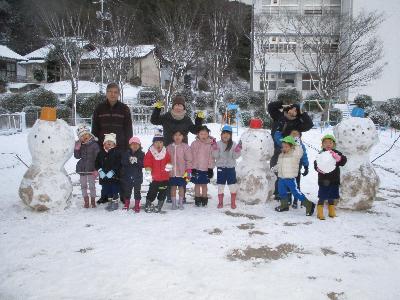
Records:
x=48, y=137
x=35, y=136
x=353, y=129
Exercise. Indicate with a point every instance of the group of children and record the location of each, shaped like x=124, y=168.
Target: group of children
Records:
x=172, y=167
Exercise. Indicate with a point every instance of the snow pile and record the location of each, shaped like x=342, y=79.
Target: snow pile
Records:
x=255, y=178
x=46, y=185
x=359, y=181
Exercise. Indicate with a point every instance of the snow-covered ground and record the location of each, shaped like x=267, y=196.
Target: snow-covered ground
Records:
x=199, y=253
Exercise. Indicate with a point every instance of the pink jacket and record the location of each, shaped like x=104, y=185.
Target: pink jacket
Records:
x=202, y=158
x=181, y=159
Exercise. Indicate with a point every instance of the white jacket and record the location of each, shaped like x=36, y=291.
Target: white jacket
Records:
x=288, y=163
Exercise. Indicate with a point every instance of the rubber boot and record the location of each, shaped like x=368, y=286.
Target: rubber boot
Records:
x=137, y=206
x=174, y=207
x=284, y=205
x=147, y=206
x=294, y=205
x=220, y=201
x=160, y=205
x=310, y=207
x=204, y=201
x=93, y=202
x=86, y=202
x=320, y=212
x=197, y=201
x=332, y=211
x=233, y=200
x=109, y=206
x=181, y=201
x=126, y=204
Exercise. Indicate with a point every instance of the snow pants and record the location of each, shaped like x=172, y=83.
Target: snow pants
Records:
x=157, y=189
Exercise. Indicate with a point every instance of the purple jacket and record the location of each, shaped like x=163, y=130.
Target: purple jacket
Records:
x=181, y=159
x=87, y=156
x=202, y=155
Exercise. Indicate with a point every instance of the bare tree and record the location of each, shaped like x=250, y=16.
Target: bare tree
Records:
x=338, y=52
x=219, y=53
x=68, y=34
x=179, y=43
x=262, y=34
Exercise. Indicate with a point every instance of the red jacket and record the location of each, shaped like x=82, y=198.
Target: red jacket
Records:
x=157, y=162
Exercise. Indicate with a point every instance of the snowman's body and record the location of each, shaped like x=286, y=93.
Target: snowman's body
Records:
x=359, y=181
x=46, y=185
x=255, y=178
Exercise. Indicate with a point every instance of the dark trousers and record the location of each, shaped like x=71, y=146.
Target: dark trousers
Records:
x=127, y=191
x=157, y=189
x=110, y=190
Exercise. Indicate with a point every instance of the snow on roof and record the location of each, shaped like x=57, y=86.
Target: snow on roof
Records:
x=33, y=61
x=88, y=87
x=6, y=52
x=137, y=52
x=40, y=53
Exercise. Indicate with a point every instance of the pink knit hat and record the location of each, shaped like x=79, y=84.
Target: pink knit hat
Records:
x=134, y=140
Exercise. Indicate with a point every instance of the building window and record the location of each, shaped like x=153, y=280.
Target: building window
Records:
x=8, y=70
x=271, y=82
x=307, y=84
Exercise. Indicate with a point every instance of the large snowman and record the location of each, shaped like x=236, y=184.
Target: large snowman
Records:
x=359, y=181
x=51, y=142
x=255, y=178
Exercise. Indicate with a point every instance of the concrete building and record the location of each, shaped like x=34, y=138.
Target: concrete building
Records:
x=283, y=69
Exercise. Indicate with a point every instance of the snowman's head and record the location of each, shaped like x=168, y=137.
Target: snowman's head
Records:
x=355, y=135
x=51, y=142
x=257, y=144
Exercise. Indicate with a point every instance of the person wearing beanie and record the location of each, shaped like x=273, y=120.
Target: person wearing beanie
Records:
x=181, y=160
x=157, y=161
x=132, y=173
x=328, y=183
x=176, y=119
x=203, y=164
x=288, y=168
x=226, y=152
x=108, y=165
x=86, y=150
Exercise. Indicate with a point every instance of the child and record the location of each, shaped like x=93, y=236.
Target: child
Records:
x=288, y=169
x=132, y=174
x=86, y=150
x=203, y=165
x=157, y=160
x=181, y=159
x=226, y=152
x=329, y=182
x=303, y=161
x=108, y=164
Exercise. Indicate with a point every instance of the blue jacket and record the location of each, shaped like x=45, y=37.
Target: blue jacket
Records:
x=304, y=159
x=132, y=167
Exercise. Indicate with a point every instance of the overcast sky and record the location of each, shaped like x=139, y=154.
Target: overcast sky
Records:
x=388, y=86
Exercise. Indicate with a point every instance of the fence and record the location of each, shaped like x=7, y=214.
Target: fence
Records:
x=12, y=123
x=141, y=116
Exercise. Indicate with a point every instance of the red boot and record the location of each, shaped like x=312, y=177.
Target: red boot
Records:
x=93, y=202
x=127, y=203
x=220, y=201
x=137, y=206
x=233, y=200
x=86, y=202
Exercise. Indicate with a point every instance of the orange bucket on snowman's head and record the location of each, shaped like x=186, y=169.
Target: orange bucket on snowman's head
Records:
x=48, y=114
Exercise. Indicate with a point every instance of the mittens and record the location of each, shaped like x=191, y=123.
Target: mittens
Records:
x=159, y=104
x=110, y=174
x=133, y=160
x=102, y=174
x=210, y=173
x=168, y=167
x=238, y=147
x=336, y=156
x=214, y=145
x=201, y=115
x=78, y=145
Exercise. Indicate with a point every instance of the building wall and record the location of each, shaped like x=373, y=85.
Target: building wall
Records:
x=147, y=68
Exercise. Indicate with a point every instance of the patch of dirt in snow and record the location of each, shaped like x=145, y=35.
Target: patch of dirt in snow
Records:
x=84, y=250
x=241, y=215
x=380, y=199
x=264, y=252
x=359, y=236
x=349, y=254
x=215, y=231
x=257, y=232
x=327, y=251
x=295, y=224
x=246, y=226
x=335, y=296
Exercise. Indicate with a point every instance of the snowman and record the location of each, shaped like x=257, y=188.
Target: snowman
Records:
x=255, y=178
x=51, y=142
x=359, y=181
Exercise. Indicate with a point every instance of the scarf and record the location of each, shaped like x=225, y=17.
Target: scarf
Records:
x=178, y=116
x=158, y=155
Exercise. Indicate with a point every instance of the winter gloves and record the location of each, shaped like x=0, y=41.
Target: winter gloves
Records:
x=201, y=115
x=78, y=145
x=168, y=167
x=214, y=145
x=159, y=104
x=238, y=147
x=109, y=174
x=336, y=156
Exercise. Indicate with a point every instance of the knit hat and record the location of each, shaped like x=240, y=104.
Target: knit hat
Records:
x=227, y=128
x=289, y=140
x=110, y=137
x=328, y=137
x=158, y=137
x=134, y=140
x=82, y=130
x=178, y=100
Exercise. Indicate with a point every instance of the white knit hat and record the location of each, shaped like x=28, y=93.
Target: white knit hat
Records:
x=110, y=137
x=84, y=129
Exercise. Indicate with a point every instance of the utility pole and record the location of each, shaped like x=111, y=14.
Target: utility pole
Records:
x=252, y=46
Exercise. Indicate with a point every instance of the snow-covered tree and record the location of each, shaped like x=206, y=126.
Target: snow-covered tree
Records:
x=363, y=101
x=391, y=107
x=68, y=34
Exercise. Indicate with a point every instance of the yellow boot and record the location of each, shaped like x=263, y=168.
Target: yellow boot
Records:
x=332, y=211
x=320, y=212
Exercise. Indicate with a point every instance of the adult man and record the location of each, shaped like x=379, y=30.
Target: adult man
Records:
x=113, y=116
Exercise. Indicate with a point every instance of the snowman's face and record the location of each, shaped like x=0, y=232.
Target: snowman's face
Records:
x=257, y=144
x=355, y=135
x=51, y=143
